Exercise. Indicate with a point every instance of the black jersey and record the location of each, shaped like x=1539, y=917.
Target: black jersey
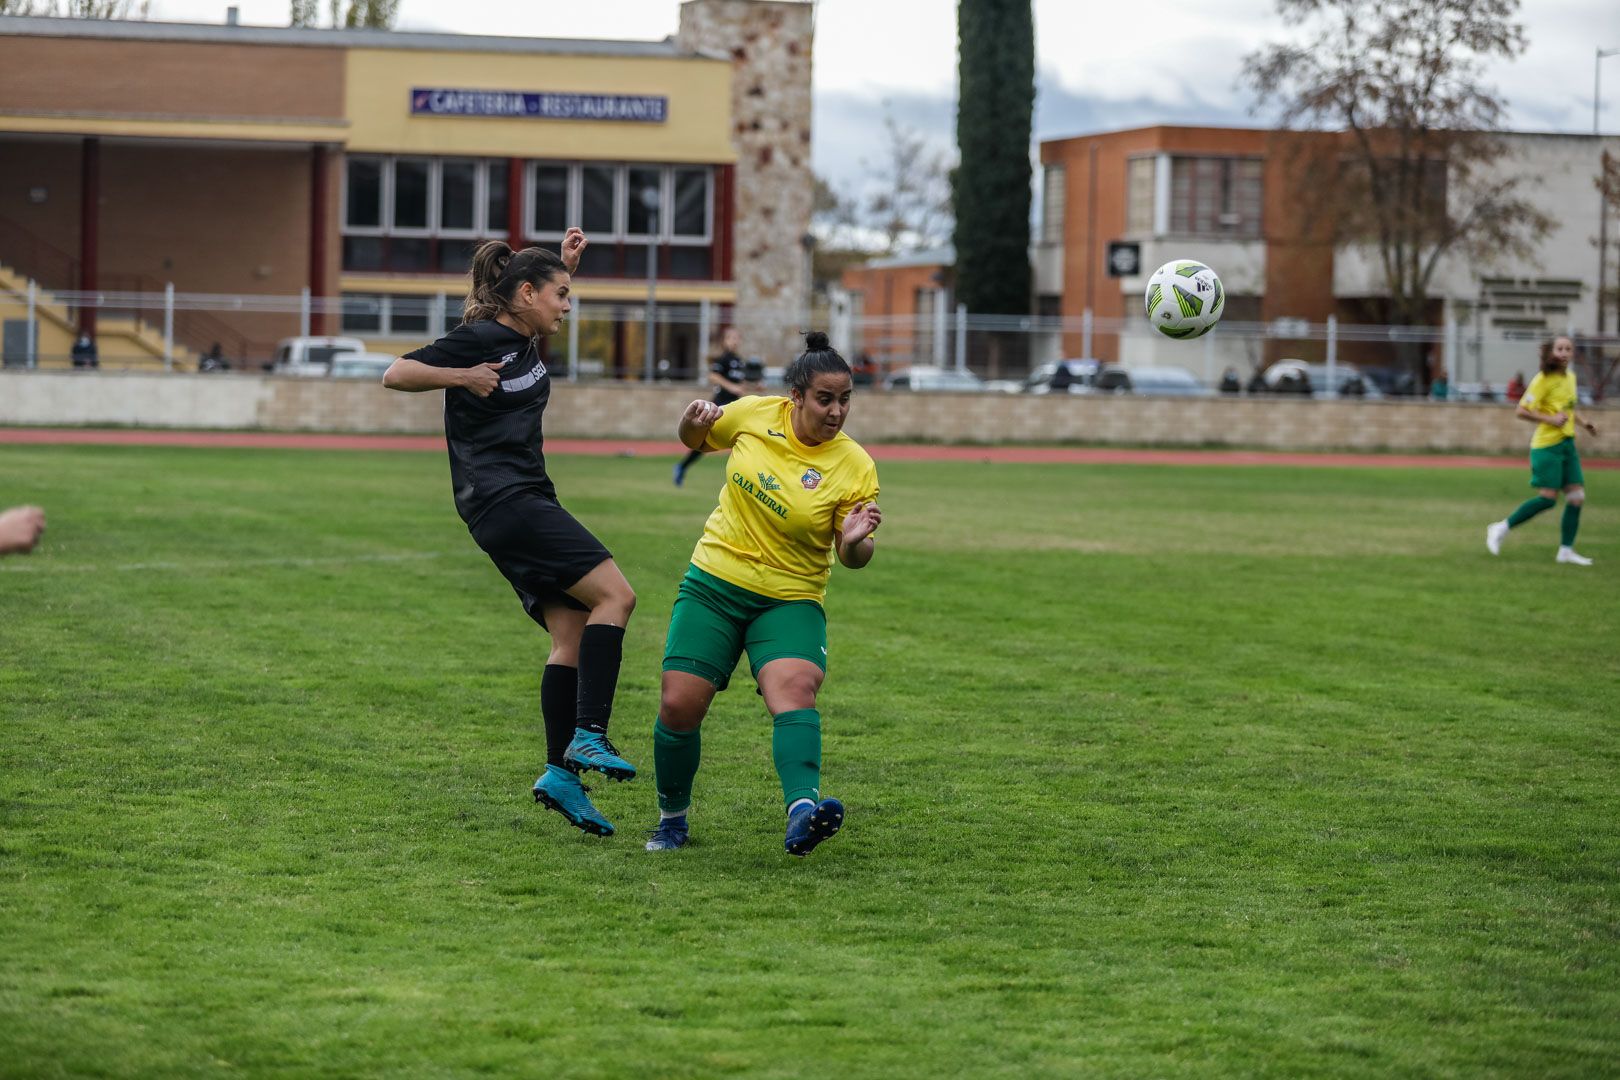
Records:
x=728, y=365
x=496, y=445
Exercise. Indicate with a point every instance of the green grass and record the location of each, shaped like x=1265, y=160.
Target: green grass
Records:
x=1151, y=772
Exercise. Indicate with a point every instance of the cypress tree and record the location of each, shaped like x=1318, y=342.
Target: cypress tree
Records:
x=995, y=107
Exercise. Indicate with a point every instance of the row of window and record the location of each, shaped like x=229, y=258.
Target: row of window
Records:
x=1209, y=196
x=469, y=199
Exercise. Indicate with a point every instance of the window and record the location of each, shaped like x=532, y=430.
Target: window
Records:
x=1139, y=196
x=377, y=315
x=1212, y=196
x=458, y=196
x=365, y=193
x=597, y=184
x=691, y=203
x=646, y=191
x=495, y=221
x=1052, y=190
x=413, y=182
x=550, y=187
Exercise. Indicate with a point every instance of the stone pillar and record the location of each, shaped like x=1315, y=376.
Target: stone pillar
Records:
x=769, y=42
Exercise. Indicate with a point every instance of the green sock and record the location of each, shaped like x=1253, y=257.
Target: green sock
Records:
x=1529, y=509
x=796, y=749
x=675, y=763
x=1571, y=524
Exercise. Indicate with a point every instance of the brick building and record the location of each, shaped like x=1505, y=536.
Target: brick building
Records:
x=365, y=166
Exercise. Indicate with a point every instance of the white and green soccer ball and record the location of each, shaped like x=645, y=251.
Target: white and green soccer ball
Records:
x=1184, y=299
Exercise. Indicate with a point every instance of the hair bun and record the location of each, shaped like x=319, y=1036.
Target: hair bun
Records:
x=816, y=341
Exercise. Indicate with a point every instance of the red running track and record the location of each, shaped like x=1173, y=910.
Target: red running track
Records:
x=880, y=451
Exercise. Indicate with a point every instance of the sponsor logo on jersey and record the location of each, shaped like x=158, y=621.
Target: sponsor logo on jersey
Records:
x=778, y=434
x=811, y=479
x=523, y=382
x=747, y=487
x=769, y=483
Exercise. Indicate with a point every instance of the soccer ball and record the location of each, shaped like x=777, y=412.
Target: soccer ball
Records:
x=1184, y=299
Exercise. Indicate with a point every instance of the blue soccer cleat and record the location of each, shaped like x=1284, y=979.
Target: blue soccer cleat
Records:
x=670, y=834
x=560, y=790
x=592, y=751
x=810, y=825
x=680, y=475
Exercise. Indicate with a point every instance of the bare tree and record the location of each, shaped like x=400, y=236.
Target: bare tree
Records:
x=373, y=14
x=1414, y=174
x=78, y=9
x=908, y=199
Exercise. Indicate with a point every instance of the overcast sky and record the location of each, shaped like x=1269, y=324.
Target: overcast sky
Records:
x=1099, y=65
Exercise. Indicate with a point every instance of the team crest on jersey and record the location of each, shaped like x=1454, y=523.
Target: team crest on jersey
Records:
x=769, y=483
x=811, y=479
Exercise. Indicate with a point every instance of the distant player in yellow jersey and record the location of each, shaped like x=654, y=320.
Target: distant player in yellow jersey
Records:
x=1549, y=403
x=798, y=491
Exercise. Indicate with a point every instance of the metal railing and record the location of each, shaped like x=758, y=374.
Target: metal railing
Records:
x=607, y=339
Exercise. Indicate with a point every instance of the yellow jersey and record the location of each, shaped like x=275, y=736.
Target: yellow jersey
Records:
x=784, y=503
x=1551, y=394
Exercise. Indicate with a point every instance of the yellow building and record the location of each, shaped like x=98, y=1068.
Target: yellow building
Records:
x=366, y=166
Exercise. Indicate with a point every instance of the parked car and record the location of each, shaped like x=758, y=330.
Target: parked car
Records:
x=312, y=356
x=935, y=379
x=360, y=365
x=1302, y=377
x=1166, y=382
x=1077, y=376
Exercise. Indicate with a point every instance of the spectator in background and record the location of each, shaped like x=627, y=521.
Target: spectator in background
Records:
x=864, y=372
x=20, y=529
x=1230, y=383
x=1515, y=387
x=732, y=377
x=214, y=359
x=1439, y=389
x=1062, y=379
x=84, y=352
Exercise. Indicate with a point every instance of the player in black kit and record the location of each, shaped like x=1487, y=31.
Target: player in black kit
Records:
x=495, y=392
x=732, y=377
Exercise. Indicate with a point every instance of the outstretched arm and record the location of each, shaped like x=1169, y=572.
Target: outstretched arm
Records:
x=414, y=376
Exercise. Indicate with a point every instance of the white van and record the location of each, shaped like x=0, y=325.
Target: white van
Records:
x=312, y=356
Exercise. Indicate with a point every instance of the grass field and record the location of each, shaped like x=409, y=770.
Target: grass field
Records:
x=1174, y=772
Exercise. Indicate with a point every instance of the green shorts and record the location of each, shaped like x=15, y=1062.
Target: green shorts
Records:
x=1557, y=466
x=714, y=621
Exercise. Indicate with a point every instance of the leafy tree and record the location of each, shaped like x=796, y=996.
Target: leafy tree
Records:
x=1411, y=173
x=994, y=115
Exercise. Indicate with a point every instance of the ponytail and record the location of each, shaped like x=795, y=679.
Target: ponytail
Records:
x=498, y=271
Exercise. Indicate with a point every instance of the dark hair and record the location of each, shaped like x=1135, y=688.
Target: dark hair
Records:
x=818, y=358
x=498, y=271
x=1548, y=364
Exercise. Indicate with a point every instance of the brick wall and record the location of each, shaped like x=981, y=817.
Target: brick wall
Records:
x=610, y=410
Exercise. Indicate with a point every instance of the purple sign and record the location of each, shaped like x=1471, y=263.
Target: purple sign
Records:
x=539, y=106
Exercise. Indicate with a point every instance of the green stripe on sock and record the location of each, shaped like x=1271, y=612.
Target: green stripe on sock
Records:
x=1570, y=525
x=796, y=749
x=676, y=755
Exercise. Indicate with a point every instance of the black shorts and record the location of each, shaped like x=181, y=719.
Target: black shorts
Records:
x=540, y=549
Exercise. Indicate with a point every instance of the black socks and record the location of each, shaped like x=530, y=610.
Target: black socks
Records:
x=601, y=647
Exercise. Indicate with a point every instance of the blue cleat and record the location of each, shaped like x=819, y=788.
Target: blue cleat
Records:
x=670, y=834
x=560, y=790
x=810, y=825
x=592, y=751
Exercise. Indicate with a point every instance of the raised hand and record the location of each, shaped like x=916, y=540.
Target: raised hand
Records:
x=862, y=522
x=701, y=414
x=573, y=247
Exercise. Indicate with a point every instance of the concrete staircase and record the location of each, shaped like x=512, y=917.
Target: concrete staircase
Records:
x=124, y=343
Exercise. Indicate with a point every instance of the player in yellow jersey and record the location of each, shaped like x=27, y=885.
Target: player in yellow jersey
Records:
x=798, y=491
x=1549, y=403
